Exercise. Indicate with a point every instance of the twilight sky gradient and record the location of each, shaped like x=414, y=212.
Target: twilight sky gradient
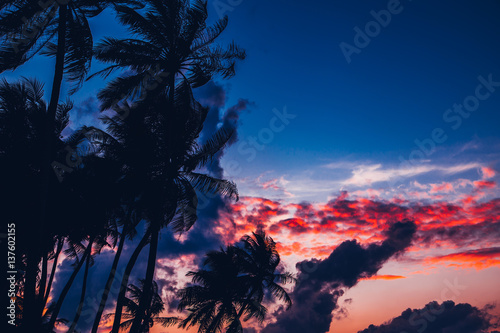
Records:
x=359, y=153
x=333, y=148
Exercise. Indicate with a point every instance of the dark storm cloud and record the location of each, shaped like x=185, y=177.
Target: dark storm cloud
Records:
x=463, y=235
x=230, y=121
x=435, y=318
x=231, y=117
x=211, y=94
x=201, y=238
x=321, y=282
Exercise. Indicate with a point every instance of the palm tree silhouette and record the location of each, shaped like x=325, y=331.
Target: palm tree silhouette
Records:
x=54, y=256
x=175, y=40
x=259, y=260
x=92, y=192
x=234, y=284
x=153, y=313
x=128, y=223
x=214, y=301
x=145, y=167
x=23, y=113
x=172, y=42
x=161, y=178
x=28, y=28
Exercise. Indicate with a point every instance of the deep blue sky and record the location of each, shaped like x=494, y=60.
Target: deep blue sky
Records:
x=395, y=91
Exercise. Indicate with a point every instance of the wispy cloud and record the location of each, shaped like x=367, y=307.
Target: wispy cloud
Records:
x=365, y=175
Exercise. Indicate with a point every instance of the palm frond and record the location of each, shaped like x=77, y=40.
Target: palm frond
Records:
x=210, y=34
x=122, y=88
x=207, y=184
x=167, y=321
x=209, y=149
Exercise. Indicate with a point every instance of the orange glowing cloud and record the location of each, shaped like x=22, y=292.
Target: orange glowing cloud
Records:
x=384, y=277
x=478, y=259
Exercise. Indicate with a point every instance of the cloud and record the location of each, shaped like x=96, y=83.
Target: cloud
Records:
x=322, y=282
x=213, y=96
x=84, y=113
x=274, y=184
x=479, y=259
x=231, y=117
x=365, y=175
x=384, y=277
x=441, y=224
x=488, y=172
x=435, y=318
x=484, y=184
x=443, y=187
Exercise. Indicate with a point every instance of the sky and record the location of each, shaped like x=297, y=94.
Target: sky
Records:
x=377, y=135
x=358, y=123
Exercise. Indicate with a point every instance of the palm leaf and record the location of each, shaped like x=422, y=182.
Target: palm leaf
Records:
x=211, y=147
x=207, y=184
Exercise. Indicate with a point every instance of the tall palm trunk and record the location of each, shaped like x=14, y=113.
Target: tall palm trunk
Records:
x=82, y=296
x=123, y=287
x=66, y=288
x=111, y=277
x=43, y=280
x=52, y=273
x=29, y=310
x=145, y=301
x=233, y=327
x=31, y=320
x=59, y=70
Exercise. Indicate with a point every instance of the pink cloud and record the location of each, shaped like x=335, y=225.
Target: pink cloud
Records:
x=440, y=188
x=488, y=172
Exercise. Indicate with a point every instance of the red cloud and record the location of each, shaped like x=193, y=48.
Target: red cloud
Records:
x=340, y=215
x=478, y=259
x=320, y=227
x=484, y=184
x=296, y=225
